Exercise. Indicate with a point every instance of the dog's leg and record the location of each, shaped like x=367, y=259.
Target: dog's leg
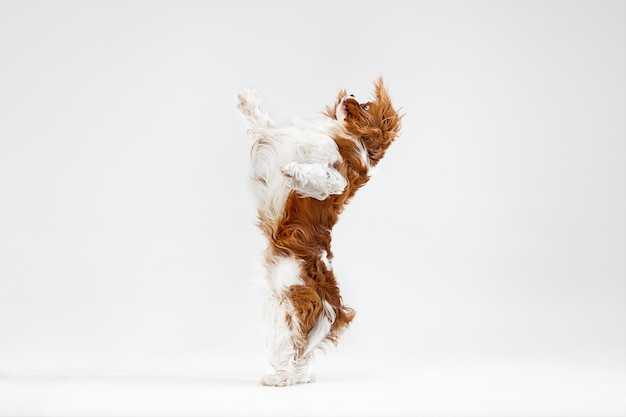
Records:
x=307, y=306
x=314, y=180
x=280, y=341
x=290, y=318
x=283, y=328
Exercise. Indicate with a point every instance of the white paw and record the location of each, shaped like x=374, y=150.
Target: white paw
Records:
x=248, y=101
x=281, y=379
x=277, y=380
x=306, y=379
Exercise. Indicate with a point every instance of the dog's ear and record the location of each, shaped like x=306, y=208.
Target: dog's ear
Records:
x=389, y=117
x=380, y=91
x=375, y=143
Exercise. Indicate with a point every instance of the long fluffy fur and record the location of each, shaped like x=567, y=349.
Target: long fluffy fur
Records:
x=303, y=174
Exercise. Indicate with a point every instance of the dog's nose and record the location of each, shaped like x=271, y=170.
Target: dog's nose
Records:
x=352, y=95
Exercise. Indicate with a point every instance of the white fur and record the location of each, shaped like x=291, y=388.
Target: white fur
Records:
x=327, y=262
x=366, y=159
x=321, y=328
x=340, y=110
x=299, y=157
x=278, y=334
x=314, y=180
x=282, y=273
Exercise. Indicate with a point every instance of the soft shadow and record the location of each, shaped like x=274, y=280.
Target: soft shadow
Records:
x=125, y=378
x=341, y=377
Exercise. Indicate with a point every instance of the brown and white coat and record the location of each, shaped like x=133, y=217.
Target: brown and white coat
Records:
x=303, y=174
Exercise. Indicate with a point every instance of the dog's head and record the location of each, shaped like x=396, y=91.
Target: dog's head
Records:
x=375, y=123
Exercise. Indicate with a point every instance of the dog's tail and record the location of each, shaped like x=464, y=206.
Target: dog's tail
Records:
x=330, y=325
x=345, y=315
x=249, y=104
x=322, y=327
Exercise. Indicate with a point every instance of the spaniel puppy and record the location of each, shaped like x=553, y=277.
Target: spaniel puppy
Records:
x=303, y=174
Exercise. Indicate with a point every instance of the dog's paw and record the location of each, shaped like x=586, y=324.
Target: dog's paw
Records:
x=248, y=101
x=281, y=379
x=306, y=379
x=277, y=380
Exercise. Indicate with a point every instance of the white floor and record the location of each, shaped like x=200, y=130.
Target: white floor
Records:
x=346, y=385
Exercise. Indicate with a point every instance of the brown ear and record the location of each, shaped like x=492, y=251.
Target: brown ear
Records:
x=382, y=96
x=375, y=143
x=391, y=118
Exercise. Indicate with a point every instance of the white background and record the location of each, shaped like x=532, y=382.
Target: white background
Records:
x=486, y=259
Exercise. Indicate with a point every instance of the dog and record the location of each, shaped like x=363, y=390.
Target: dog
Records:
x=303, y=174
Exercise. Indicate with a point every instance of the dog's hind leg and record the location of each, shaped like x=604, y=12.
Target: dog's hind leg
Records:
x=283, y=323
x=290, y=320
x=307, y=307
x=279, y=338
